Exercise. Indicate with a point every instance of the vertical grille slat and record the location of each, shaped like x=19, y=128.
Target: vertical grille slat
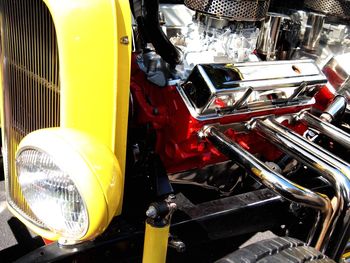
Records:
x=31, y=87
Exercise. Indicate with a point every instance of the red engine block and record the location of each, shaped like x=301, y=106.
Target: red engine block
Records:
x=177, y=131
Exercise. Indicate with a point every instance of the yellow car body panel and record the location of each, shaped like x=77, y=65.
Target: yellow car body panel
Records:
x=95, y=69
x=94, y=43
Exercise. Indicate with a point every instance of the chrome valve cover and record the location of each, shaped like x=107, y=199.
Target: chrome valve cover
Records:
x=213, y=90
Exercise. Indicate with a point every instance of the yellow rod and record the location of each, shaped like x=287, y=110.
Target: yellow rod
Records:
x=156, y=244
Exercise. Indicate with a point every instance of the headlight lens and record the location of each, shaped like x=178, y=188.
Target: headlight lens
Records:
x=51, y=194
x=71, y=182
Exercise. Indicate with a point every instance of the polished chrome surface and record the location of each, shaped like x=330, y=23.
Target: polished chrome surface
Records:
x=313, y=31
x=211, y=21
x=269, y=34
x=335, y=109
x=216, y=116
x=300, y=90
x=337, y=8
x=325, y=128
x=274, y=85
x=335, y=170
x=270, y=178
x=337, y=69
x=242, y=100
x=345, y=89
x=289, y=37
x=239, y=10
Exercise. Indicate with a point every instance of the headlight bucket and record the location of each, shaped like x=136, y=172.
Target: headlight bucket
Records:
x=91, y=168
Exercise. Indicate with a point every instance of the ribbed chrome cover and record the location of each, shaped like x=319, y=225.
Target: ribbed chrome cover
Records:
x=31, y=86
x=337, y=8
x=240, y=10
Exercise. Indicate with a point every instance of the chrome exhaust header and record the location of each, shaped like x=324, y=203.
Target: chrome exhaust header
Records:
x=325, y=128
x=274, y=181
x=335, y=170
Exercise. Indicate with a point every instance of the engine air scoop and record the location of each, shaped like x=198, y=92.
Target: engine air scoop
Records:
x=214, y=90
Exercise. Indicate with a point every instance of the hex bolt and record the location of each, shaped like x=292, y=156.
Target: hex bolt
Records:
x=124, y=40
x=152, y=212
x=178, y=245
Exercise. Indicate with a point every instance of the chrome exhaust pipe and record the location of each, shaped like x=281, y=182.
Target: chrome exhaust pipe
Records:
x=335, y=170
x=325, y=128
x=274, y=181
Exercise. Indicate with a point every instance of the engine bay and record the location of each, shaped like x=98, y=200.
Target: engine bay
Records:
x=245, y=96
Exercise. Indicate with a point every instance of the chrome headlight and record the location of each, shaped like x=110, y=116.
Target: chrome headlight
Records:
x=71, y=182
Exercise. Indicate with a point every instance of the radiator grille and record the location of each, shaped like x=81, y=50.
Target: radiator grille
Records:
x=31, y=87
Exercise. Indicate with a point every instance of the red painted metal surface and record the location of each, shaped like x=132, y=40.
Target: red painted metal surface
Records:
x=177, y=141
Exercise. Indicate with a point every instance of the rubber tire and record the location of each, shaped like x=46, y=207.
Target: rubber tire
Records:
x=276, y=250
